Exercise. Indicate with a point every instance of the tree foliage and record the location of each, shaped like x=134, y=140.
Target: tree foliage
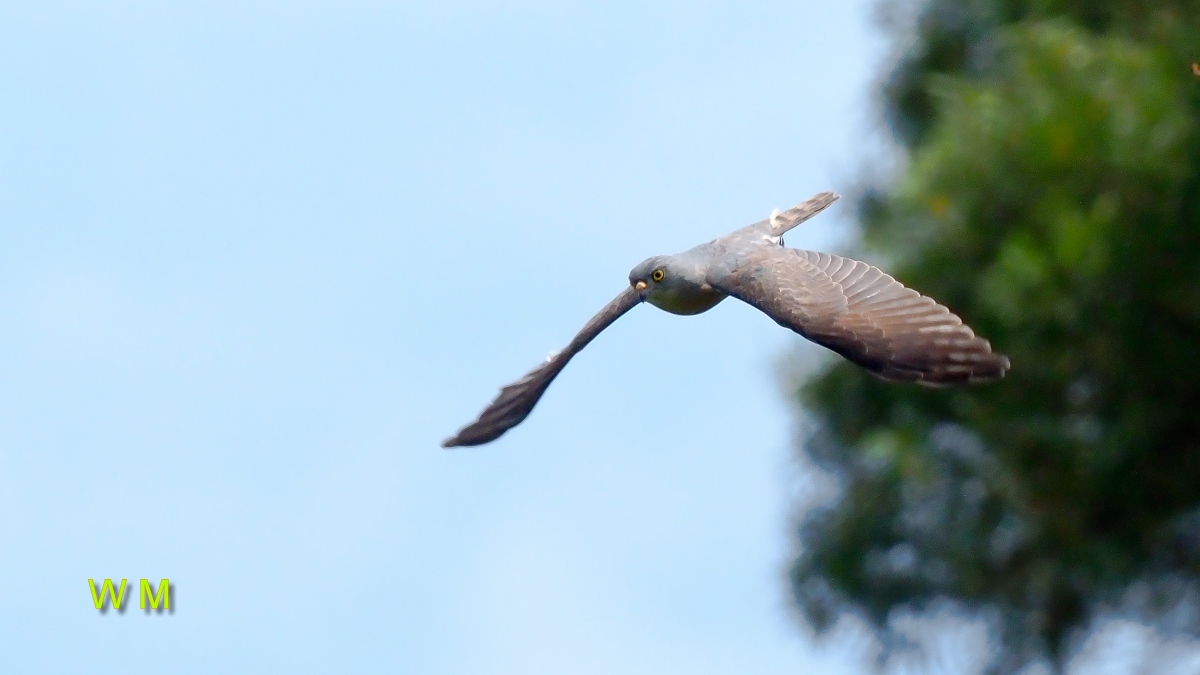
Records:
x=1051, y=198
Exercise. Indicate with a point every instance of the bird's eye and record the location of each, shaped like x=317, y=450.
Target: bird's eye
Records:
x=658, y=275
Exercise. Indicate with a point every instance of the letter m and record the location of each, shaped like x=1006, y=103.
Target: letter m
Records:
x=106, y=591
x=163, y=595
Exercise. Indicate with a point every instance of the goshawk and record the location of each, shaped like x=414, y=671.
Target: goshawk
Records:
x=848, y=306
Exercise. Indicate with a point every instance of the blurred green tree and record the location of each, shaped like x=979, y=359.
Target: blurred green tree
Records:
x=1050, y=195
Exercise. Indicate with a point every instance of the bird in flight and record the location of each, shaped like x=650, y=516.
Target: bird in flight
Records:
x=848, y=306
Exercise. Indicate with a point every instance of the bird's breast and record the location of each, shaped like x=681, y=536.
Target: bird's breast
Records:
x=685, y=300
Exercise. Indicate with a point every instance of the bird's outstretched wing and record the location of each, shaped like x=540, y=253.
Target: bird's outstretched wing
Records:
x=861, y=313
x=517, y=399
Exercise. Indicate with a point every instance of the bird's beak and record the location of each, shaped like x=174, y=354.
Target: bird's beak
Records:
x=639, y=286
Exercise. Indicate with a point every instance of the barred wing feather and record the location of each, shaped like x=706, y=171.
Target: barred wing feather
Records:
x=863, y=314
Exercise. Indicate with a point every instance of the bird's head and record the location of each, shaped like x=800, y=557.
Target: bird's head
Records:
x=672, y=284
x=651, y=276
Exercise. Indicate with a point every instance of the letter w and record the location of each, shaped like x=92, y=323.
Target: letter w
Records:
x=106, y=590
x=162, y=596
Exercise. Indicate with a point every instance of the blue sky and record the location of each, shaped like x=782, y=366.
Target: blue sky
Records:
x=258, y=259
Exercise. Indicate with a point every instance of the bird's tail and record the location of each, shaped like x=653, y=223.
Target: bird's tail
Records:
x=782, y=222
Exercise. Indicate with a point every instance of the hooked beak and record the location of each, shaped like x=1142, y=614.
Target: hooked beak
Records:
x=639, y=286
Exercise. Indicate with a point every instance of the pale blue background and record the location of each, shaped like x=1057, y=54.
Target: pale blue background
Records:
x=257, y=260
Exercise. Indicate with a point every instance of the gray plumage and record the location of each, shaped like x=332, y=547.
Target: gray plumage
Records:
x=846, y=305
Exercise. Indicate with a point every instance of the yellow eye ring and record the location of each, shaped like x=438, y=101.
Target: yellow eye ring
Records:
x=658, y=275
